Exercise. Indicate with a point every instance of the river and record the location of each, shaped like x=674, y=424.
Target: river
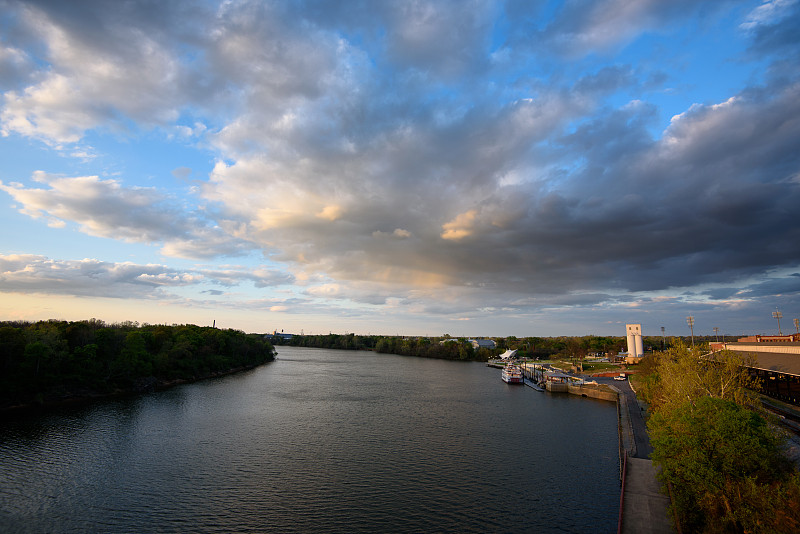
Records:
x=319, y=440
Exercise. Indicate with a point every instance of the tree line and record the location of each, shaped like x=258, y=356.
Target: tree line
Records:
x=50, y=360
x=453, y=348
x=719, y=452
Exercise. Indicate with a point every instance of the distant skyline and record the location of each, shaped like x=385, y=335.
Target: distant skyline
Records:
x=472, y=168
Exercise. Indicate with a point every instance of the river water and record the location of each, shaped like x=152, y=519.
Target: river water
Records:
x=323, y=441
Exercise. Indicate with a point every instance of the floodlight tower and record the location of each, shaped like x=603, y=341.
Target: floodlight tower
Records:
x=797, y=325
x=663, y=339
x=716, y=333
x=690, y=322
x=777, y=315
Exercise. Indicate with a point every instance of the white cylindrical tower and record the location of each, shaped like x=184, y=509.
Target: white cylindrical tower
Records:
x=635, y=347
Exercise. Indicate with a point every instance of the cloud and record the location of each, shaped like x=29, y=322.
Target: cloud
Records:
x=15, y=65
x=182, y=173
x=773, y=28
x=460, y=227
x=104, y=208
x=88, y=85
x=584, y=26
x=768, y=13
x=31, y=273
x=434, y=157
x=27, y=273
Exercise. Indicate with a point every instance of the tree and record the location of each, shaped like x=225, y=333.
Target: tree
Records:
x=709, y=450
x=718, y=455
x=682, y=375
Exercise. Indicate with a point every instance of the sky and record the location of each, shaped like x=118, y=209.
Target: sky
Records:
x=420, y=167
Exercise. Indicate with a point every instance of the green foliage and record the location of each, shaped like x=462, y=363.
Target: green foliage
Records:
x=448, y=349
x=59, y=359
x=681, y=374
x=719, y=456
x=709, y=452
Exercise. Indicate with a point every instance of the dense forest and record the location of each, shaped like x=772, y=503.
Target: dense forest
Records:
x=451, y=348
x=720, y=456
x=52, y=360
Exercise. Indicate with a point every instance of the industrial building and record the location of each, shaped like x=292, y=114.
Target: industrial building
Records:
x=777, y=363
x=635, y=344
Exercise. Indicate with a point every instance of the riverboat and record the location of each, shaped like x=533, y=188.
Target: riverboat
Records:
x=512, y=374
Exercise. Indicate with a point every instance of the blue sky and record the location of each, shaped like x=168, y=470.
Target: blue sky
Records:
x=477, y=168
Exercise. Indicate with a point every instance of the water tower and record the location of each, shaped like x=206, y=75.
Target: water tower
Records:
x=635, y=345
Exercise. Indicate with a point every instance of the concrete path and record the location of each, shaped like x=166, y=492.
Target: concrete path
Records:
x=637, y=416
x=644, y=508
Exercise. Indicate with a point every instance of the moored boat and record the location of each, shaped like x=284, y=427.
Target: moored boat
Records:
x=512, y=374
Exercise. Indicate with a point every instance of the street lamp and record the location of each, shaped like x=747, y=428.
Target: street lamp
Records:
x=690, y=322
x=777, y=315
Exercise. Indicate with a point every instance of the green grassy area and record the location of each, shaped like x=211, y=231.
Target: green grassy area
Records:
x=599, y=367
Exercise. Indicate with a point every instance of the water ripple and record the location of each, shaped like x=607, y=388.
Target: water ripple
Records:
x=319, y=441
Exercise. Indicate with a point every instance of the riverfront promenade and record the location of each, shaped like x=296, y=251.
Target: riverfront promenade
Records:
x=643, y=509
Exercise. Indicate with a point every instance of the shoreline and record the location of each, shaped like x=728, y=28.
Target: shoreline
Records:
x=81, y=399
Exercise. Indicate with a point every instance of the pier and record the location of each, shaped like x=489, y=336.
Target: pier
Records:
x=533, y=372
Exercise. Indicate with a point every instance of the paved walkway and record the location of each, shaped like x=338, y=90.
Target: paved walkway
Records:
x=644, y=508
x=636, y=414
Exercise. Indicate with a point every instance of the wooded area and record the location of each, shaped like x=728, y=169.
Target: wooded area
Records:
x=720, y=456
x=50, y=360
x=451, y=348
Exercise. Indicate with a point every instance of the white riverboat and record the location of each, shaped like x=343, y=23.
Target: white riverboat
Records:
x=512, y=374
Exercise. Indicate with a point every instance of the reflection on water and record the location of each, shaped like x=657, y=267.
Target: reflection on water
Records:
x=319, y=440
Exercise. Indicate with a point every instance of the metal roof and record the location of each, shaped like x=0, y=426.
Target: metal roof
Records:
x=770, y=357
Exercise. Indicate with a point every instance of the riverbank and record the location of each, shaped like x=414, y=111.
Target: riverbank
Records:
x=79, y=398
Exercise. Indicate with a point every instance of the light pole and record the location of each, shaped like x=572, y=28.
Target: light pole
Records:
x=716, y=333
x=777, y=315
x=690, y=322
x=663, y=339
x=797, y=325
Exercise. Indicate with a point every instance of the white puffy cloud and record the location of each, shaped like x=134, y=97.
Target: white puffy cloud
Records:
x=32, y=273
x=105, y=208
